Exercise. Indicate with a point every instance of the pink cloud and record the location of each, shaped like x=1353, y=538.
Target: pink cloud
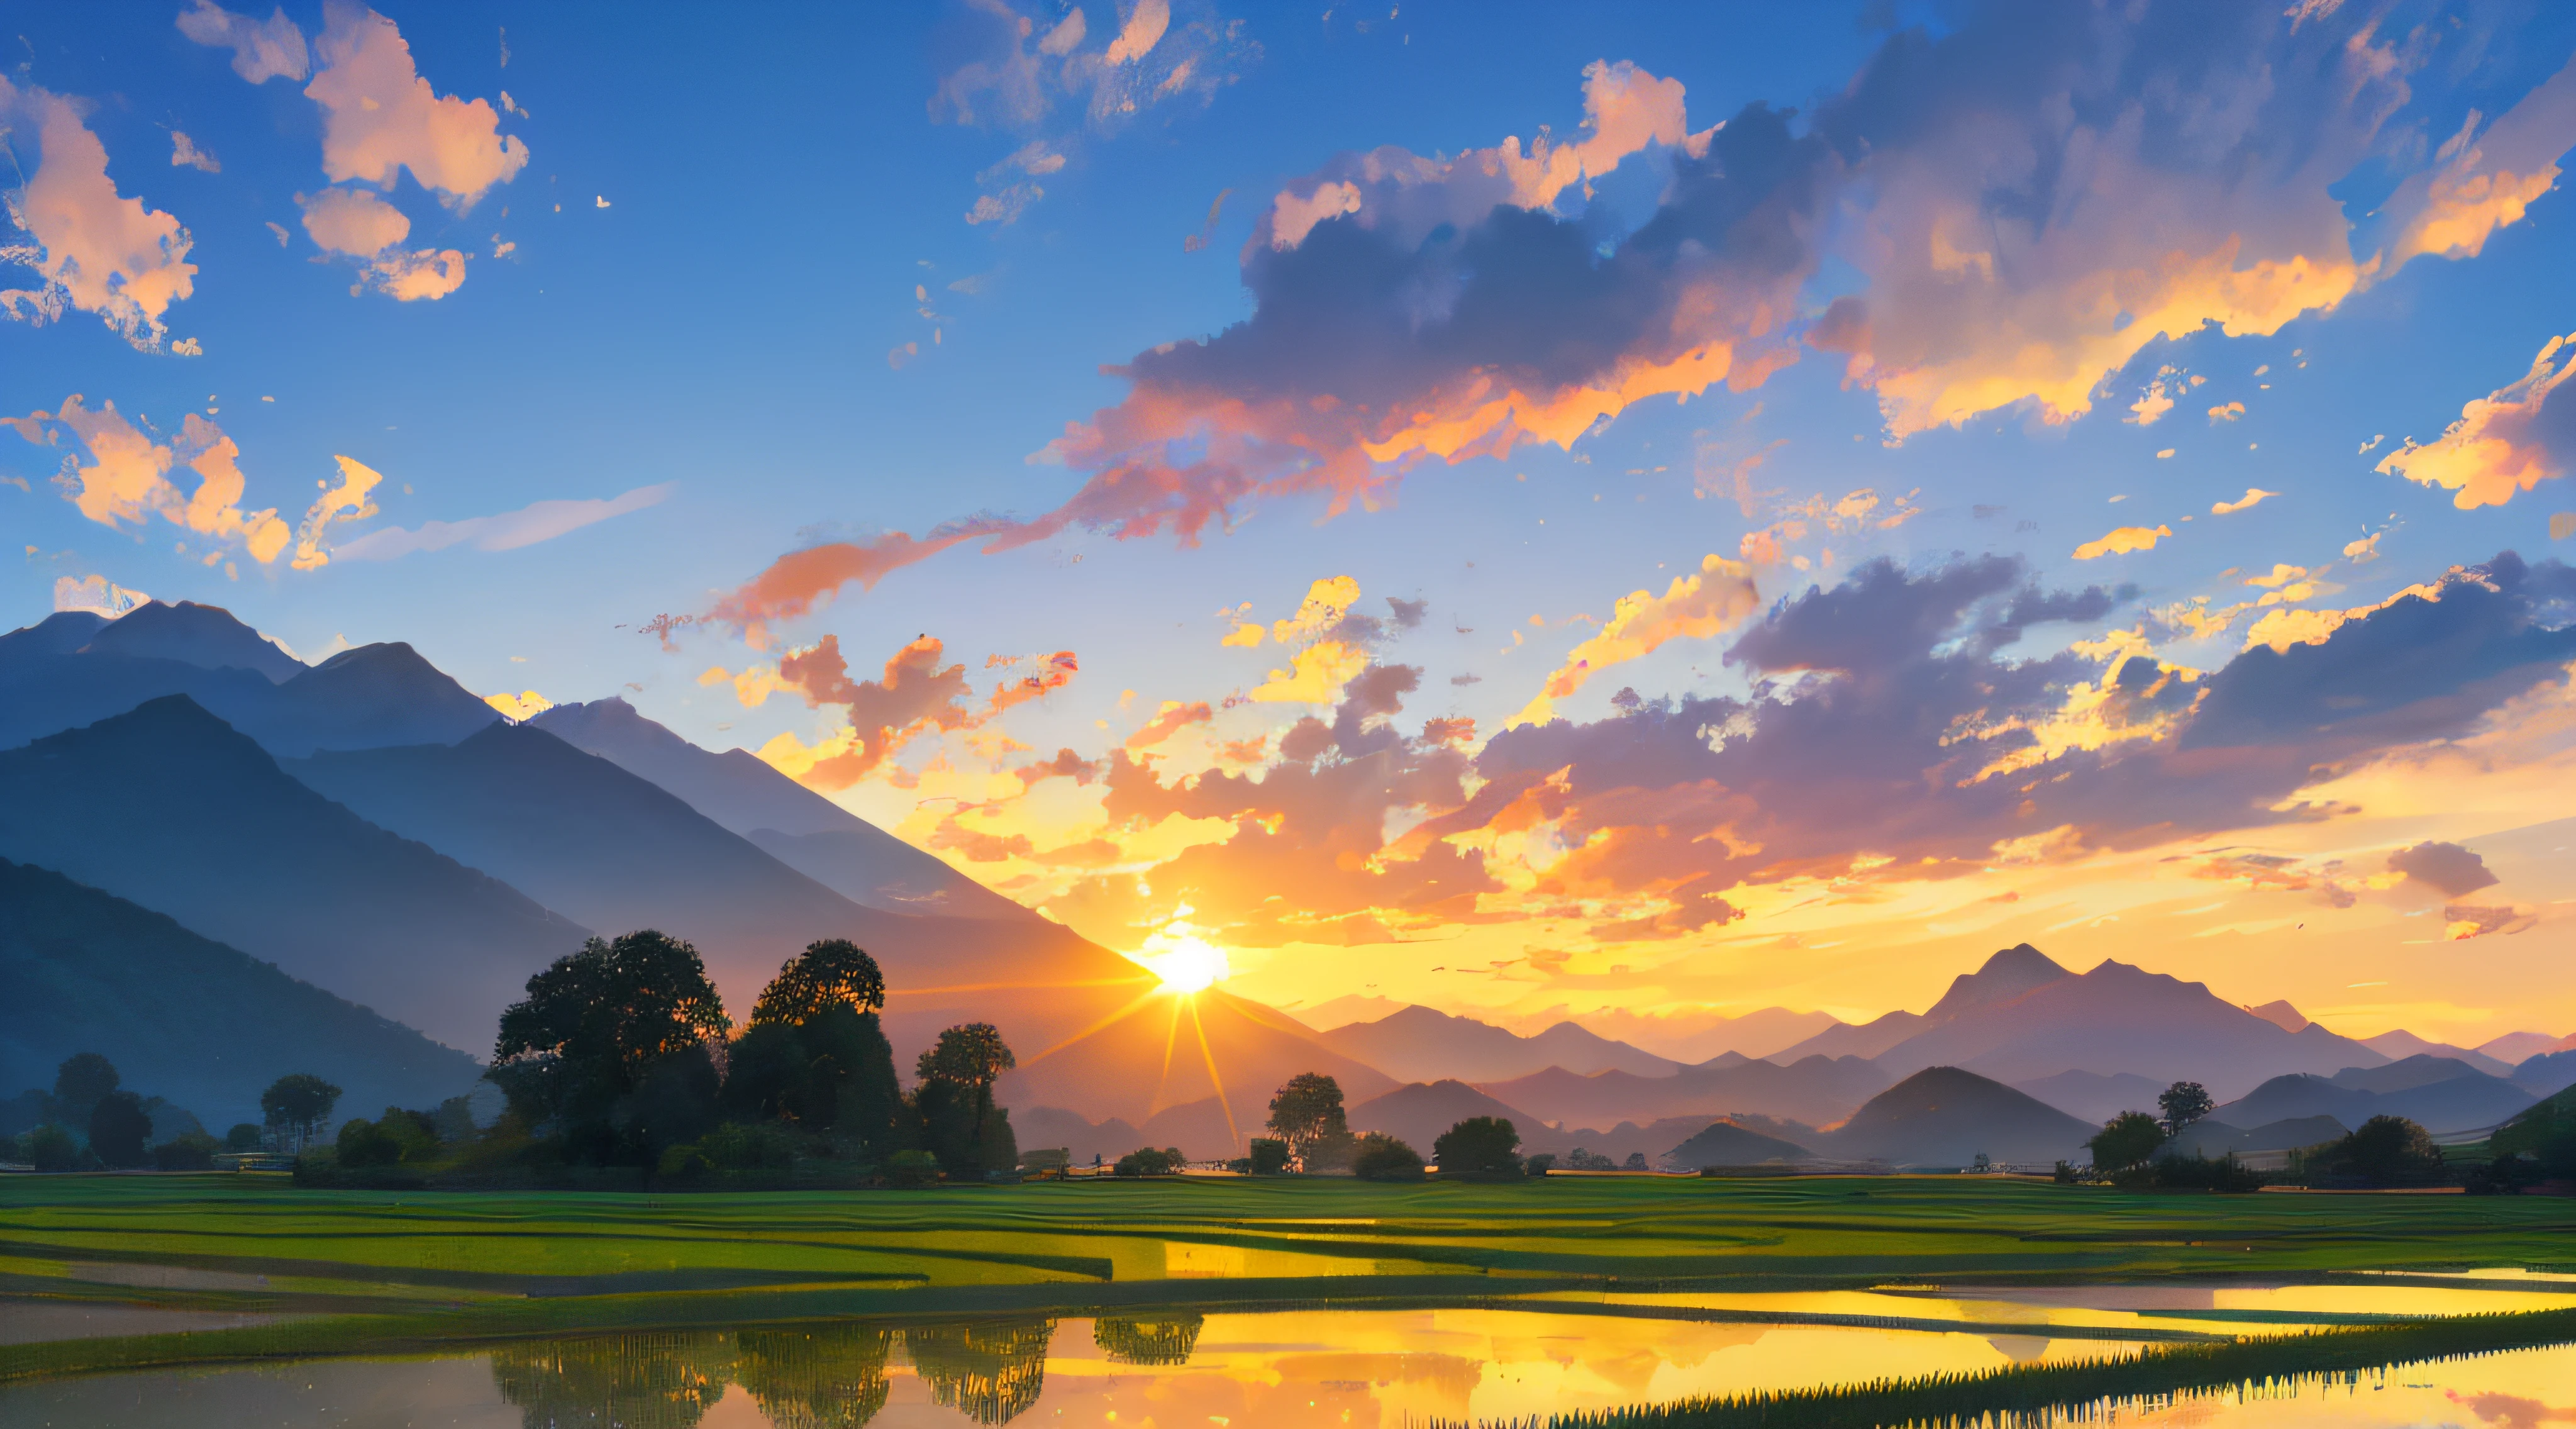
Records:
x=262, y=49
x=380, y=116
x=96, y=251
x=2508, y=441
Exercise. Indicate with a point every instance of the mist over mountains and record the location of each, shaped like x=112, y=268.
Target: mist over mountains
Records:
x=216, y=857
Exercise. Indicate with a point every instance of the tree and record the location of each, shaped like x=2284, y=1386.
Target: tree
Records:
x=2385, y=1151
x=1269, y=1156
x=244, y=1136
x=297, y=1105
x=118, y=1129
x=575, y=1057
x=2183, y=1103
x=396, y=1137
x=1383, y=1158
x=1307, y=1114
x=1479, y=1146
x=830, y=973
x=2125, y=1140
x=79, y=1082
x=1146, y=1161
x=953, y=1105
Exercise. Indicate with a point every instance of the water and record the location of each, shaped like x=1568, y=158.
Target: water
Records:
x=1379, y=1369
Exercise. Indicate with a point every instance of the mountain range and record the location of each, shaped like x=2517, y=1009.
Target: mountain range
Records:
x=370, y=827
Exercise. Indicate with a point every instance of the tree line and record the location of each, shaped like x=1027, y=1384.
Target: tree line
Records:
x=91, y=1121
x=2137, y=1150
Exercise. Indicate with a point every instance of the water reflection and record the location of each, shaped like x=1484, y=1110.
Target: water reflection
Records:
x=833, y=1377
x=647, y=1381
x=1164, y=1339
x=987, y=1371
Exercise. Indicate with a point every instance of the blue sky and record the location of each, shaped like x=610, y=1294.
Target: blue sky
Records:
x=727, y=228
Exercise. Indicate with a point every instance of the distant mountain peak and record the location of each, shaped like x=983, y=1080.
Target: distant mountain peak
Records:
x=2008, y=974
x=207, y=636
x=2281, y=1014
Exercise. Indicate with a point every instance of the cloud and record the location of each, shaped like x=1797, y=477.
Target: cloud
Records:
x=2446, y=868
x=916, y=695
x=507, y=531
x=1173, y=717
x=2226, y=412
x=2254, y=496
x=184, y=154
x=2510, y=440
x=127, y=476
x=95, y=593
x=1715, y=600
x=347, y=501
x=795, y=583
x=1144, y=28
x=380, y=116
x=2482, y=182
x=352, y=221
x=2122, y=540
x=262, y=49
x=96, y=251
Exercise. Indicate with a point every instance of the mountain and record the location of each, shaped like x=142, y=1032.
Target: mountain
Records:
x=2520, y=1047
x=1419, y=1044
x=786, y=820
x=2093, y=1097
x=1344, y=1010
x=620, y=853
x=193, y=634
x=203, y=1024
x=2436, y=1093
x=1944, y=1116
x=169, y=807
x=2546, y=1074
x=1419, y=1113
x=1724, y=1143
x=2402, y=1043
x=1863, y=1040
x=1813, y=1089
x=60, y=633
x=2281, y=1014
x=2116, y=1018
x=1696, y=1036
x=1143, y=1054
x=358, y=699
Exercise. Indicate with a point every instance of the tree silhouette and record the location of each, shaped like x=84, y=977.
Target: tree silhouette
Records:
x=79, y=1082
x=1479, y=1146
x=118, y=1127
x=957, y=1075
x=2183, y=1103
x=830, y=973
x=1307, y=1114
x=297, y=1104
x=2125, y=1140
x=598, y=1046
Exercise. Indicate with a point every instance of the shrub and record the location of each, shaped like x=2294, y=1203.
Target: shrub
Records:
x=2125, y=1140
x=2385, y=1151
x=1480, y=1146
x=1383, y=1158
x=2066, y=1174
x=2193, y=1173
x=1582, y=1160
x=913, y=1169
x=118, y=1128
x=245, y=1136
x=735, y=1147
x=1540, y=1164
x=684, y=1163
x=1269, y=1156
x=188, y=1151
x=1146, y=1161
x=51, y=1148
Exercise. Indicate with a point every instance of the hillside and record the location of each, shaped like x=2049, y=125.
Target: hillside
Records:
x=1944, y=1116
x=1813, y=1090
x=193, y=634
x=2093, y=1097
x=1419, y=1113
x=1697, y=1034
x=1724, y=1143
x=788, y=821
x=1419, y=1044
x=170, y=808
x=2402, y=1044
x=205, y=1025
x=2437, y=1093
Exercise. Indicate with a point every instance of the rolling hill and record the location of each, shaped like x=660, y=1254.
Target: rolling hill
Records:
x=170, y=808
x=2436, y=1093
x=1945, y=1116
x=1814, y=1089
x=786, y=820
x=205, y=1025
x=2093, y=1097
x=1724, y=1143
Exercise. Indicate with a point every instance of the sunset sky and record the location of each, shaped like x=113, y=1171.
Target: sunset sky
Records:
x=1663, y=510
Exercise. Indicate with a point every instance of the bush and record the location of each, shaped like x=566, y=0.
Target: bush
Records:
x=396, y=1138
x=2125, y=1141
x=1540, y=1164
x=913, y=1169
x=1582, y=1160
x=2195, y=1173
x=1269, y=1156
x=118, y=1129
x=51, y=1148
x=2386, y=1151
x=1383, y=1158
x=245, y=1136
x=188, y=1151
x=1146, y=1161
x=684, y=1163
x=1046, y=1159
x=2066, y=1174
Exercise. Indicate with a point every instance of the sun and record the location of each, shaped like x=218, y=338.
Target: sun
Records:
x=1186, y=962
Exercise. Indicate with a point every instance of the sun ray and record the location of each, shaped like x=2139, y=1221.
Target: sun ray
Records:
x=1100, y=1026
x=1015, y=986
x=1233, y=1133
x=1171, y=1035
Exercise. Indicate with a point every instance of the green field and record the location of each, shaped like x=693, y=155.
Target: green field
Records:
x=382, y=1272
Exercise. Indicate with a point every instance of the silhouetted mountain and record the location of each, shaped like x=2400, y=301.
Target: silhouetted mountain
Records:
x=2402, y=1043
x=2116, y=1018
x=619, y=853
x=1813, y=1089
x=1156, y=1055
x=2546, y=1074
x=788, y=821
x=2093, y=1097
x=2281, y=1014
x=1419, y=1044
x=1863, y=1040
x=1082, y=1138
x=2005, y=976
x=2437, y=1093
x=1690, y=1037
x=2213, y=1138
x=1344, y=1010
x=1944, y=1116
x=60, y=633
x=188, y=1018
x=1419, y=1113
x=358, y=699
x=1724, y=1143
x=193, y=634
x=2520, y=1047
x=170, y=808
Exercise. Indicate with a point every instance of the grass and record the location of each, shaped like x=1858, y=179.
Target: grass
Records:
x=361, y=1272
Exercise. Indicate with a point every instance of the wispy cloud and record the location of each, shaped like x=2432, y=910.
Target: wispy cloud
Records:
x=507, y=531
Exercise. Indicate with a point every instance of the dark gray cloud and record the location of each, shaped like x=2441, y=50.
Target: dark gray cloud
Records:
x=2447, y=868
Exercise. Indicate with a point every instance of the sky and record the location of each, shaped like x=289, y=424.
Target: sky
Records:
x=1647, y=512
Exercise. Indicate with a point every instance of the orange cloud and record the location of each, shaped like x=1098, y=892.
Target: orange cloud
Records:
x=1715, y=600
x=2482, y=182
x=2500, y=444
x=796, y=582
x=1315, y=674
x=380, y=116
x=525, y=706
x=2123, y=540
x=96, y=251
x=348, y=501
x=2253, y=497
x=1173, y=717
x=127, y=476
